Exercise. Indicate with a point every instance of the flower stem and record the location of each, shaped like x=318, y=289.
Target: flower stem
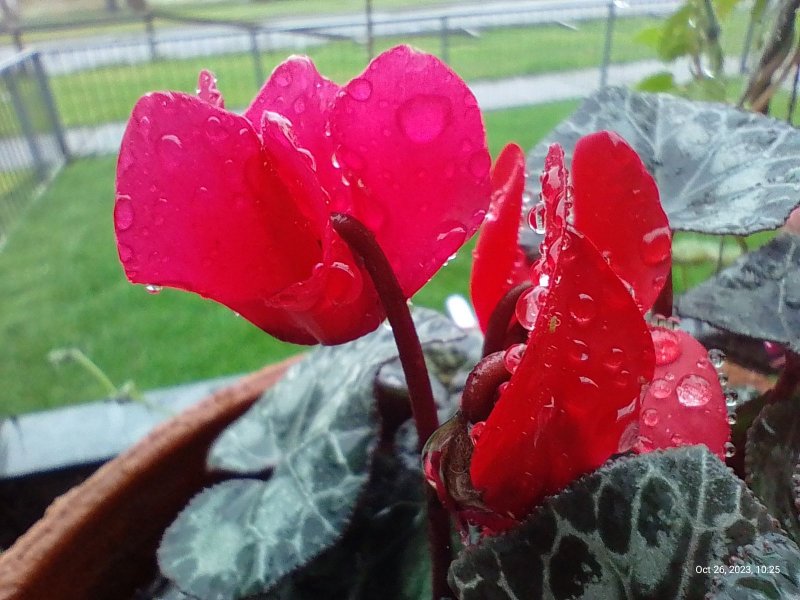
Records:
x=663, y=304
x=423, y=407
x=497, y=328
x=477, y=400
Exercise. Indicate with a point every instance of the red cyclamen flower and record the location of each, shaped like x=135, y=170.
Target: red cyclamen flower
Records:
x=236, y=208
x=573, y=398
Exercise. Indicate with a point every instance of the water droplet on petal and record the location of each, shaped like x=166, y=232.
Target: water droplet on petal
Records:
x=528, y=306
x=536, y=218
x=730, y=450
x=666, y=345
x=299, y=105
x=731, y=399
x=660, y=388
x=360, y=89
x=476, y=430
x=717, y=357
x=693, y=390
x=283, y=79
x=170, y=149
x=656, y=246
x=513, y=356
x=579, y=351
x=423, y=117
x=152, y=289
x=123, y=213
x=732, y=419
x=677, y=440
x=614, y=359
x=583, y=309
x=215, y=131
x=125, y=253
x=343, y=284
x=479, y=164
x=650, y=417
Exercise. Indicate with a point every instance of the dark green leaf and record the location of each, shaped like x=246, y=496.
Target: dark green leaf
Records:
x=718, y=169
x=636, y=528
x=767, y=569
x=773, y=450
x=758, y=296
x=316, y=431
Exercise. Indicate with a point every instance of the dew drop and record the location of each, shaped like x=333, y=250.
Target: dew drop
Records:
x=152, y=289
x=283, y=79
x=660, y=388
x=732, y=419
x=360, y=89
x=476, y=430
x=693, y=390
x=423, y=117
x=731, y=399
x=666, y=346
x=123, y=213
x=170, y=149
x=583, y=309
x=215, y=131
x=730, y=450
x=343, y=283
x=703, y=363
x=299, y=105
x=455, y=235
x=717, y=357
x=650, y=417
x=528, y=306
x=614, y=359
x=579, y=351
x=536, y=218
x=655, y=246
x=513, y=356
x=677, y=439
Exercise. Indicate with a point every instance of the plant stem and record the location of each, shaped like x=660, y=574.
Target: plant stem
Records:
x=497, y=328
x=477, y=399
x=789, y=379
x=423, y=407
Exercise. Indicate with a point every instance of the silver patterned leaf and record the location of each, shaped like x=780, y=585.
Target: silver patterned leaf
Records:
x=758, y=296
x=718, y=169
x=316, y=432
x=767, y=569
x=772, y=455
x=636, y=528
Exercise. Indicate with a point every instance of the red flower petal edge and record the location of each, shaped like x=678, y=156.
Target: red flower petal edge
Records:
x=617, y=207
x=499, y=263
x=572, y=400
x=685, y=403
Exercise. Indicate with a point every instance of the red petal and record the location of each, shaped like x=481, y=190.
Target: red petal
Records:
x=298, y=92
x=200, y=208
x=207, y=89
x=413, y=147
x=499, y=263
x=684, y=404
x=618, y=209
x=575, y=392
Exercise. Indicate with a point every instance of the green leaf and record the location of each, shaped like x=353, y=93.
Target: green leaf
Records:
x=660, y=82
x=757, y=297
x=724, y=8
x=679, y=34
x=316, y=431
x=718, y=169
x=636, y=528
x=767, y=569
x=773, y=451
x=649, y=36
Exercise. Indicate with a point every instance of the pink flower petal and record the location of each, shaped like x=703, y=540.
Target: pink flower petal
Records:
x=298, y=92
x=572, y=400
x=199, y=207
x=499, y=263
x=412, y=145
x=684, y=404
x=207, y=89
x=617, y=207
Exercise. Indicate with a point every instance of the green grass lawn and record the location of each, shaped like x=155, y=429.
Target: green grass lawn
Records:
x=63, y=287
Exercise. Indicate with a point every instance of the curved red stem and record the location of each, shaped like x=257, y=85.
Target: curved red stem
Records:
x=497, y=327
x=477, y=399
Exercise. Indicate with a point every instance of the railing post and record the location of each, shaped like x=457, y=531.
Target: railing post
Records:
x=258, y=66
x=151, y=35
x=17, y=35
x=612, y=17
x=28, y=130
x=50, y=105
x=748, y=41
x=370, y=31
x=444, y=38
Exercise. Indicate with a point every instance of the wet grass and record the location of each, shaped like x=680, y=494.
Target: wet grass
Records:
x=63, y=287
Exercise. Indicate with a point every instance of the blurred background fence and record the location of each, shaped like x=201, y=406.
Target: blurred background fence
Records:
x=72, y=95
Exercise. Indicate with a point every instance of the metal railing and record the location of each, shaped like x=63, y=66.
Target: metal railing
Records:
x=33, y=145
